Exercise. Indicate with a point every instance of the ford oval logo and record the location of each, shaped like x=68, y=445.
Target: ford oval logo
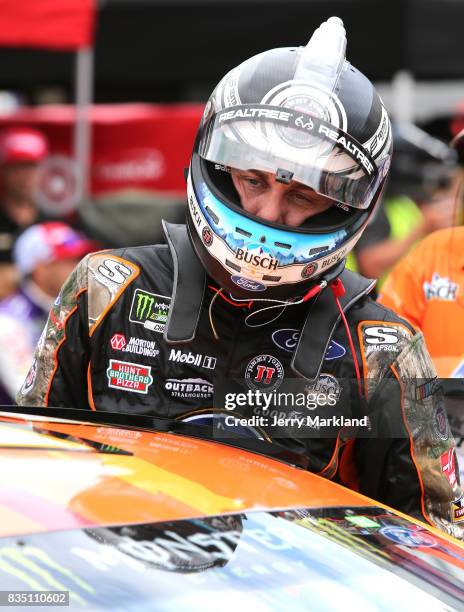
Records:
x=286, y=339
x=335, y=351
x=246, y=283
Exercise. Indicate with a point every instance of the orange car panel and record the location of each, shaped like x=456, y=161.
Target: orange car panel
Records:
x=50, y=483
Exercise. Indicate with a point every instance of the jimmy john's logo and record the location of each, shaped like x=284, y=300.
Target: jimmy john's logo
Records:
x=127, y=376
x=150, y=310
x=257, y=256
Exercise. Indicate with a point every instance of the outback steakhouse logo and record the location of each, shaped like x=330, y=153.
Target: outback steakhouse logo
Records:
x=150, y=310
x=129, y=376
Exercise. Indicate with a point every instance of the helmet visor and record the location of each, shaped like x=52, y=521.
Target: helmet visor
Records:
x=313, y=151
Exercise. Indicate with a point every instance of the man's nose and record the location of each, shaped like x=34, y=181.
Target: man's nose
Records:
x=270, y=207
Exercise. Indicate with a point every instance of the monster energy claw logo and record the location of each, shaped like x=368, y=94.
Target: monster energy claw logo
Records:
x=150, y=310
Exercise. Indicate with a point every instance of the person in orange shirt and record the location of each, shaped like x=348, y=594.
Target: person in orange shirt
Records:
x=427, y=288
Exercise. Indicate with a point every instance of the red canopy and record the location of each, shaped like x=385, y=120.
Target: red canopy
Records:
x=51, y=24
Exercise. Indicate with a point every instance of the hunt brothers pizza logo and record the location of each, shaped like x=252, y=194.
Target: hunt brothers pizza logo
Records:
x=132, y=377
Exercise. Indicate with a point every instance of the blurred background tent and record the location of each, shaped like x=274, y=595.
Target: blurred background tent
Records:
x=148, y=65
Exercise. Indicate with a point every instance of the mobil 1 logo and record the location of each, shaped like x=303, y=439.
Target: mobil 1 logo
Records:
x=150, y=310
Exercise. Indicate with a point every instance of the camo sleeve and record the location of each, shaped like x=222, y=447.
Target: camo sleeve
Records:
x=61, y=370
x=411, y=450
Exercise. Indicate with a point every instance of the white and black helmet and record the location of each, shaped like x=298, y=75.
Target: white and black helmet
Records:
x=303, y=114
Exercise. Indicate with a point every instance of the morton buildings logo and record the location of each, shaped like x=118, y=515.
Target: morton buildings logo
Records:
x=132, y=377
x=150, y=310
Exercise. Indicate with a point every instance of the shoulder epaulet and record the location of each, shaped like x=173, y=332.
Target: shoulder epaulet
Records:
x=108, y=276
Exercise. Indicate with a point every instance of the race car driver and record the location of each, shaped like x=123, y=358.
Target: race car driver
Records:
x=290, y=158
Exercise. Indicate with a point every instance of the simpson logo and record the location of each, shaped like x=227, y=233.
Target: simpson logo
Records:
x=138, y=346
x=440, y=288
x=448, y=465
x=195, y=359
x=150, y=310
x=132, y=377
x=381, y=338
x=114, y=271
x=189, y=388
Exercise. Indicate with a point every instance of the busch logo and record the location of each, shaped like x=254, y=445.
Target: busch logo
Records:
x=440, y=288
x=194, y=210
x=150, y=310
x=257, y=259
x=118, y=342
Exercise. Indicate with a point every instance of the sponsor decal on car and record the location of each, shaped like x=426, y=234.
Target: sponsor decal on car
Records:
x=189, y=388
x=440, y=288
x=30, y=379
x=247, y=284
x=138, y=346
x=150, y=310
x=405, y=536
x=448, y=465
x=127, y=376
x=264, y=372
x=194, y=359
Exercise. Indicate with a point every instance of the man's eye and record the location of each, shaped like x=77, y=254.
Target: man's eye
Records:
x=254, y=182
x=300, y=197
